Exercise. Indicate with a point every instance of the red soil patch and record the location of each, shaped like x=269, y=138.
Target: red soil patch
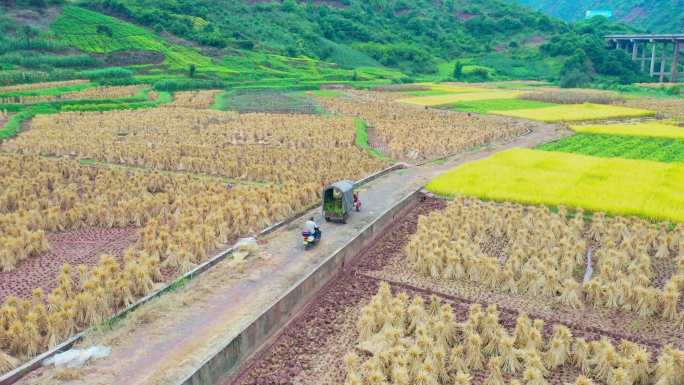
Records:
x=4, y=119
x=465, y=16
x=635, y=14
x=84, y=246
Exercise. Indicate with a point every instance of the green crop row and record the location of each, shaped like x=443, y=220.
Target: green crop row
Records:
x=486, y=106
x=94, y=32
x=629, y=147
x=49, y=91
x=13, y=126
x=362, y=140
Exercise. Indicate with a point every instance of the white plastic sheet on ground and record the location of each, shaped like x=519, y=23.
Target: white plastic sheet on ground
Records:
x=77, y=358
x=244, y=248
x=590, y=269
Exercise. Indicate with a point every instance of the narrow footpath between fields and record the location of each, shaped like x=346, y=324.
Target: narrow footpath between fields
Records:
x=166, y=339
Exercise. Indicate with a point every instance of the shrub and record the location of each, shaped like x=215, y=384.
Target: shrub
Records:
x=108, y=73
x=187, y=85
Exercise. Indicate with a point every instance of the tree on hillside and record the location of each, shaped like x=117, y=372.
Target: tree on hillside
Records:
x=104, y=30
x=29, y=34
x=577, y=70
x=458, y=70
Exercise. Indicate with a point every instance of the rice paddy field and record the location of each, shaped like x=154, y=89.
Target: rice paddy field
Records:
x=628, y=147
x=558, y=265
x=555, y=265
x=651, y=128
x=487, y=106
x=94, y=215
x=487, y=302
x=577, y=112
x=112, y=191
x=618, y=186
x=440, y=100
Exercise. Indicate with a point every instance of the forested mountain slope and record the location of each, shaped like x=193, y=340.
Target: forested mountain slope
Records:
x=665, y=16
x=219, y=41
x=409, y=35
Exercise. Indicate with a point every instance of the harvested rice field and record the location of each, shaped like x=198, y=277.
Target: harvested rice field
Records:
x=651, y=128
x=414, y=133
x=577, y=112
x=547, y=266
x=99, y=208
x=614, y=185
x=403, y=313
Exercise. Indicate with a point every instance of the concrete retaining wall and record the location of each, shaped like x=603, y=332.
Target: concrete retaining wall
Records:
x=226, y=361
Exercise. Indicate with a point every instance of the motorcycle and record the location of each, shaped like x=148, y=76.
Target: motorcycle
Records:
x=311, y=240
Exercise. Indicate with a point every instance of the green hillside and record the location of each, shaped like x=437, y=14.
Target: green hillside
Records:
x=185, y=44
x=413, y=36
x=97, y=33
x=666, y=16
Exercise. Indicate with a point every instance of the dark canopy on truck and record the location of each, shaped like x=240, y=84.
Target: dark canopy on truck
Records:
x=346, y=189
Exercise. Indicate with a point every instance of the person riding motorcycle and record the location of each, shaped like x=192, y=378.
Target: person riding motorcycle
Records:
x=312, y=228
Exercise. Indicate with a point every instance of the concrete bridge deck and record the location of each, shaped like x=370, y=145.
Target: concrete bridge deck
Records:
x=663, y=60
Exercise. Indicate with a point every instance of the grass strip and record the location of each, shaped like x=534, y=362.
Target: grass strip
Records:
x=362, y=139
x=219, y=101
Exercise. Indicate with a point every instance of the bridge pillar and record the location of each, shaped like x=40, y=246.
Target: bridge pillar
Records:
x=635, y=49
x=643, y=55
x=653, y=56
x=663, y=61
x=675, y=62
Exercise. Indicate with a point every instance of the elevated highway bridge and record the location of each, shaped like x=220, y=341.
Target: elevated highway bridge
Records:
x=660, y=53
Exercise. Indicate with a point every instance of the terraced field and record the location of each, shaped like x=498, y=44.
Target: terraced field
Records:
x=83, y=29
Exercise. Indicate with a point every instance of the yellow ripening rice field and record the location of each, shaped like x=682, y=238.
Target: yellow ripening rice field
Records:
x=614, y=185
x=577, y=112
x=656, y=129
x=438, y=100
x=453, y=87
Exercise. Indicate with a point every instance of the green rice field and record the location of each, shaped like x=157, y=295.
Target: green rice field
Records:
x=486, y=106
x=628, y=147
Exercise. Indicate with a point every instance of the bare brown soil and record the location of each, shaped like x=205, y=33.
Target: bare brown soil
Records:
x=310, y=349
x=134, y=57
x=76, y=247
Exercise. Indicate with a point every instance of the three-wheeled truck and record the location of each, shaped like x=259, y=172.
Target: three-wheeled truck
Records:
x=339, y=201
